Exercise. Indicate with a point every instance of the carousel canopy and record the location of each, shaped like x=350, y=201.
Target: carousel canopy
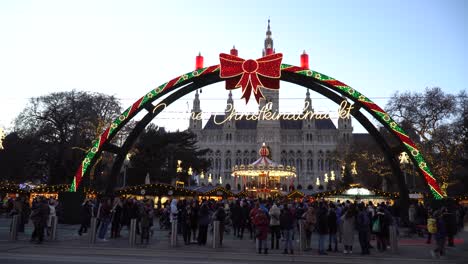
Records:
x=264, y=167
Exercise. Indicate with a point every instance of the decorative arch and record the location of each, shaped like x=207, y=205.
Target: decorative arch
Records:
x=191, y=81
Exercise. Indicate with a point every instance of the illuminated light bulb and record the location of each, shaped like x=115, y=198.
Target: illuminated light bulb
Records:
x=317, y=182
x=326, y=177
x=332, y=177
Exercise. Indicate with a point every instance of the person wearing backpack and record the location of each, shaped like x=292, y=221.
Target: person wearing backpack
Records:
x=363, y=229
x=380, y=229
x=440, y=235
x=275, y=226
x=309, y=224
x=220, y=215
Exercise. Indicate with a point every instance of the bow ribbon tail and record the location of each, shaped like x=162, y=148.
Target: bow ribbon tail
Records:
x=246, y=85
x=256, y=84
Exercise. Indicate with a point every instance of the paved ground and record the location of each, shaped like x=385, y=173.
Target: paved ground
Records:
x=71, y=248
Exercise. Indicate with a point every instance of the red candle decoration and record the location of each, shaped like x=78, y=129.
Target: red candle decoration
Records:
x=199, y=62
x=234, y=51
x=304, y=60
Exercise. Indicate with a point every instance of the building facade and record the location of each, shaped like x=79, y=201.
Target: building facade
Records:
x=311, y=145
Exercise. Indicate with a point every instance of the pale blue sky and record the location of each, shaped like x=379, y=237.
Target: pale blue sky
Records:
x=127, y=48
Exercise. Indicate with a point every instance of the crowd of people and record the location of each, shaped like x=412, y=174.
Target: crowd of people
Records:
x=273, y=225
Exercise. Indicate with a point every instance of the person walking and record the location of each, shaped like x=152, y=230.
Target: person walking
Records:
x=348, y=219
x=116, y=211
x=363, y=224
x=203, y=222
x=194, y=219
x=52, y=213
x=261, y=223
x=86, y=212
x=287, y=228
x=332, y=228
x=380, y=227
x=39, y=217
x=275, y=213
x=220, y=216
x=105, y=218
x=310, y=220
x=440, y=235
x=322, y=227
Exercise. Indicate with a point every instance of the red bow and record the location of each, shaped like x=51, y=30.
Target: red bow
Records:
x=251, y=74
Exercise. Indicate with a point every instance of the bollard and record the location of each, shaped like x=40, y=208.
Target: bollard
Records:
x=393, y=238
x=14, y=228
x=92, y=230
x=216, y=237
x=174, y=234
x=132, y=232
x=53, y=232
x=302, y=236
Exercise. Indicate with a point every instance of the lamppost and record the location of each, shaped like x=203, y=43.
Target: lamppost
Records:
x=404, y=159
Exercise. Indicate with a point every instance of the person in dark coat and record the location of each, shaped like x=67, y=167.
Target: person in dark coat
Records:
x=39, y=216
x=194, y=219
x=322, y=227
x=86, y=212
x=332, y=228
x=441, y=235
x=116, y=218
x=287, y=228
x=220, y=215
x=244, y=219
x=381, y=231
x=236, y=217
x=363, y=223
x=203, y=222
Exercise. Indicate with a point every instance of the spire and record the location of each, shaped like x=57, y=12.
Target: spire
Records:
x=230, y=103
x=196, y=103
x=268, y=45
x=308, y=101
x=268, y=28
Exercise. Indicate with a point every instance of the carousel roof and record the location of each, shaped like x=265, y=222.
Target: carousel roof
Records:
x=264, y=167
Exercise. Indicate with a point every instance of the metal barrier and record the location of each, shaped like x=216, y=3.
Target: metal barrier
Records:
x=393, y=238
x=216, y=236
x=14, y=227
x=92, y=230
x=132, y=232
x=174, y=234
x=53, y=227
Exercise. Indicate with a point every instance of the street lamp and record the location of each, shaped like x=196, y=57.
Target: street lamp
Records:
x=317, y=182
x=404, y=159
x=326, y=178
x=209, y=178
x=332, y=177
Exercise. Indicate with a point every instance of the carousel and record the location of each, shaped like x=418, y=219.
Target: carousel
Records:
x=264, y=177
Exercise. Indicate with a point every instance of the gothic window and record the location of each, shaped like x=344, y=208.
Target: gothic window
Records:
x=283, y=162
x=320, y=161
x=291, y=162
x=227, y=163
x=253, y=154
x=246, y=161
x=238, y=161
x=211, y=162
x=299, y=164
